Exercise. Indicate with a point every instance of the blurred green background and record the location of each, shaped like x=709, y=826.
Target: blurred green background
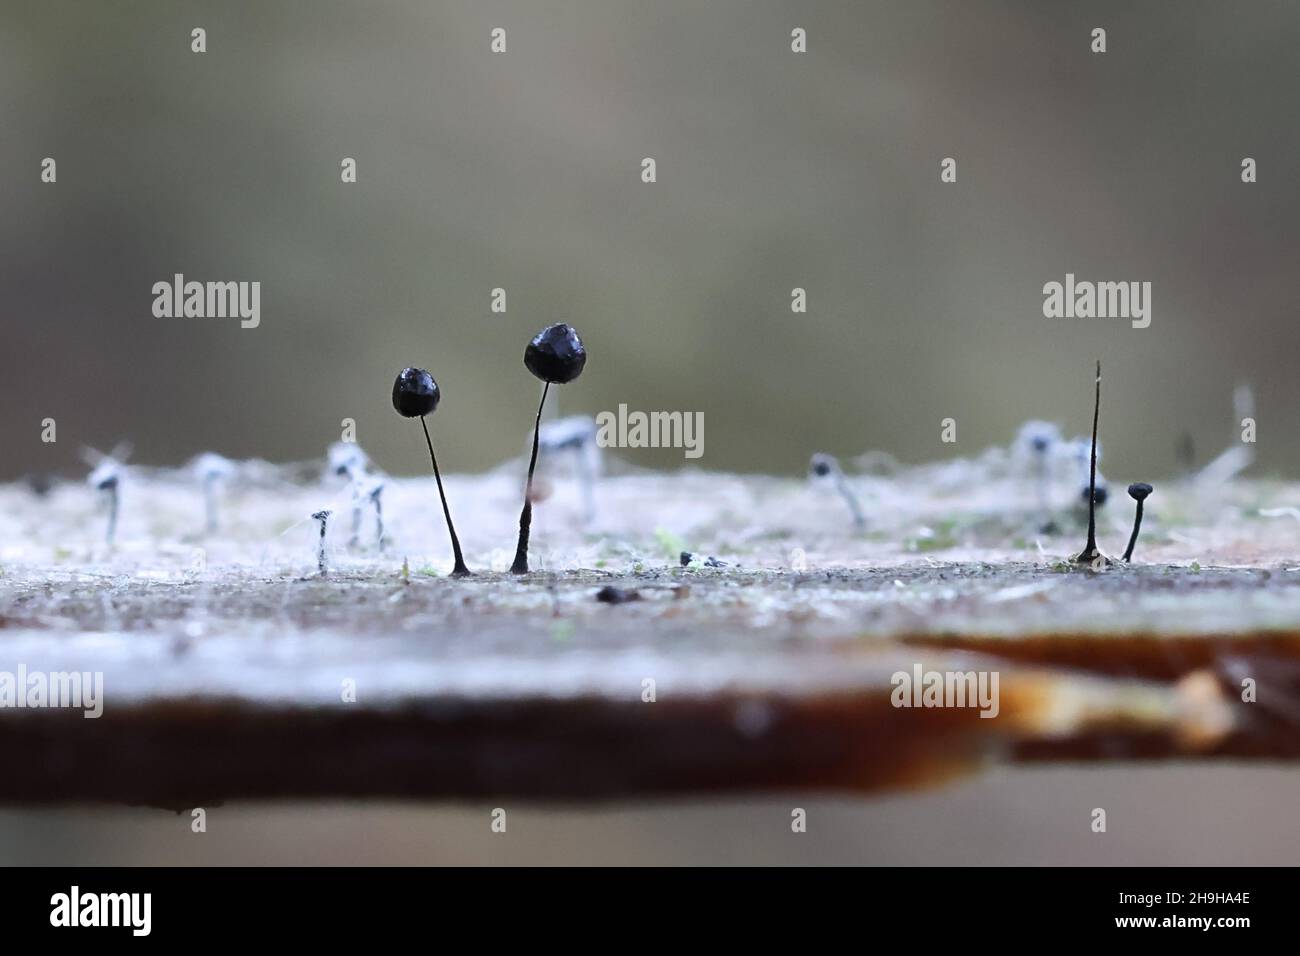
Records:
x=521, y=170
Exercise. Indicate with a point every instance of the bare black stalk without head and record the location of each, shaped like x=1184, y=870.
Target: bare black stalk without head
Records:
x=416, y=394
x=1092, y=486
x=556, y=356
x=1138, y=491
x=323, y=517
x=1089, y=554
x=825, y=466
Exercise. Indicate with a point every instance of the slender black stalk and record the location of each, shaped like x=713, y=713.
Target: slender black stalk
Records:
x=459, y=571
x=526, y=516
x=1137, y=525
x=1138, y=491
x=112, y=513
x=1090, y=552
x=323, y=518
x=842, y=485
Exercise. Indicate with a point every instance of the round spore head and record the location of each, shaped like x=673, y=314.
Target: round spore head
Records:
x=1099, y=497
x=821, y=465
x=1038, y=436
x=1139, y=490
x=556, y=354
x=415, y=393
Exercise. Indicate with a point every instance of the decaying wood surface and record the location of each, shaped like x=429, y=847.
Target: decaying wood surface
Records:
x=226, y=658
